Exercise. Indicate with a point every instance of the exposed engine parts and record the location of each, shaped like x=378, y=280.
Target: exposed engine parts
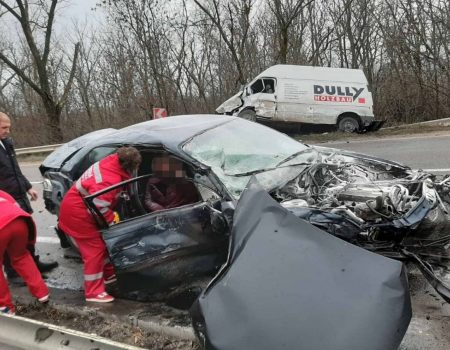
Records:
x=366, y=193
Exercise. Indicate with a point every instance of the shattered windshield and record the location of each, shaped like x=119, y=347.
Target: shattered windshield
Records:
x=237, y=150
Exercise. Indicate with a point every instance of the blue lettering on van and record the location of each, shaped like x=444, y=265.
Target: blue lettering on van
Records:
x=338, y=91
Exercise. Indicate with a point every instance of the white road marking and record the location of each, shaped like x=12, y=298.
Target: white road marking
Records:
x=35, y=182
x=50, y=240
x=381, y=139
x=435, y=170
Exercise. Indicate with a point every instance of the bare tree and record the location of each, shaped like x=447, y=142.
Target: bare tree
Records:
x=232, y=20
x=286, y=12
x=52, y=99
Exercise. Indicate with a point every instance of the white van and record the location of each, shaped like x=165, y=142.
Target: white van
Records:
x=307, y=95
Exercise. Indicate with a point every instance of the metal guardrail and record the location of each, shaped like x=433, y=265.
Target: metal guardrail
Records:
x=25, y=334
x=38, y=149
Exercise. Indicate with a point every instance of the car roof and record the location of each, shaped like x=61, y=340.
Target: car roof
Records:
x=65, y=151
x=168, y=132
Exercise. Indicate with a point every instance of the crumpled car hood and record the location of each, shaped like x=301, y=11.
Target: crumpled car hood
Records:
x=231, y=104
x=288, y=283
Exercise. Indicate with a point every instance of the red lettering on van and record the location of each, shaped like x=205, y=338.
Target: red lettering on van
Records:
x=328, y=98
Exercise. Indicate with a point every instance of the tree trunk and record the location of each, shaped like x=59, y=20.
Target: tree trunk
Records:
x=54, y=132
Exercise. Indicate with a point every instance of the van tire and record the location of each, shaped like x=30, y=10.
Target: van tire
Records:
x=348, y=124
x=248, y=114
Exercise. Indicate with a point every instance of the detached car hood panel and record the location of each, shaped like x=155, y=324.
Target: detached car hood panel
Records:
x=287, y=283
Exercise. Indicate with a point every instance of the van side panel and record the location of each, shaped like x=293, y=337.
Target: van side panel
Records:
x=318, y=102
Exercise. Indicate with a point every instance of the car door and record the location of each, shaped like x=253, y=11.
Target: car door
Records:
x=262, y=96
x=153, y=251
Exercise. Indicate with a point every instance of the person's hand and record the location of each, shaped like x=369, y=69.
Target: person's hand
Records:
x=33, y=194
x=116, y=219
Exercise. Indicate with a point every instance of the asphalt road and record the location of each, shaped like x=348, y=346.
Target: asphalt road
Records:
x=429, y=328
x=419, y=152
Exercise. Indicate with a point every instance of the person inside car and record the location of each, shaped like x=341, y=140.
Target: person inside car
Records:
x=169, y=189
x=76, y=221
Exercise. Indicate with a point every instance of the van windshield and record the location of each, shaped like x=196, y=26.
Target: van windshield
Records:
x=239, y=149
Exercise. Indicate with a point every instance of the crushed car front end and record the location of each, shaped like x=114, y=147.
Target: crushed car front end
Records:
x=376, y=204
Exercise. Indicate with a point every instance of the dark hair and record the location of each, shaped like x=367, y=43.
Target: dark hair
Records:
x=129, y=158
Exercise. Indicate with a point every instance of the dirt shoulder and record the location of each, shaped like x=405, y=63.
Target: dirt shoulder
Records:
x=146, y=325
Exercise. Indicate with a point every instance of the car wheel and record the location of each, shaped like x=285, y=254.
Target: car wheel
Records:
x=248, y=114
x=348, y=124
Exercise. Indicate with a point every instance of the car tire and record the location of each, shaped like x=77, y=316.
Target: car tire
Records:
x=348, y=124
x=248, y=114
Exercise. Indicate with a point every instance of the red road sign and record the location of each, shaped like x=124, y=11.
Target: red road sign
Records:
x=159, y=113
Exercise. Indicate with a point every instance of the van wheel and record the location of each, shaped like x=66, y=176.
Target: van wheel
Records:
x=348, y=124
x=248, y=114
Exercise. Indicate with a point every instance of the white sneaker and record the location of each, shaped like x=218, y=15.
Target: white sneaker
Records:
x=44, y=299
x=101, y=298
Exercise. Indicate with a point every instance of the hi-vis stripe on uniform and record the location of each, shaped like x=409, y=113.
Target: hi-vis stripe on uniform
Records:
x=92, y=170
x=93, y=277
x=97, y=173
x=102, y=205
x=81, y=189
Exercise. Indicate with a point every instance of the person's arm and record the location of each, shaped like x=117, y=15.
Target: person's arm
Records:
x=153, y=198
x=106, y=202
x=22, y=179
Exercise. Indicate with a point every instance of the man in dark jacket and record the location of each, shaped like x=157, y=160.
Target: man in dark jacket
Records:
x=13, y=182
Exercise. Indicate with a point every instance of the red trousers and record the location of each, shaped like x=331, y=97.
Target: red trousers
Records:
x=96, y=263
x=14, y=240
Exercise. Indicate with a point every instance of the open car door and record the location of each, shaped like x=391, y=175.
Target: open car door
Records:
x=153, y=251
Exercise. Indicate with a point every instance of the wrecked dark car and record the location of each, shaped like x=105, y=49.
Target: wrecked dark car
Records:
x=379, y=205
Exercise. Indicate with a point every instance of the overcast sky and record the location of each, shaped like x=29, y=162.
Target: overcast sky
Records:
x=68, y=12
x=80, y=11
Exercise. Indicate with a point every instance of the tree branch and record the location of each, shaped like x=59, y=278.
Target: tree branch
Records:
x=68, y=86
x=7, y=81
x=10, y=10
x=21, y=74
x=48, y=31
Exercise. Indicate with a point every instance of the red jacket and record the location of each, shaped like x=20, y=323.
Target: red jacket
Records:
x=74, y=217
x=10, y=210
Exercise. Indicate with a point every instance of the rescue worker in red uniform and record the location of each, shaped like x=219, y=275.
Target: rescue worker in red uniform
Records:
x=77, y=222
x=17, y=231
x=170, y=189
